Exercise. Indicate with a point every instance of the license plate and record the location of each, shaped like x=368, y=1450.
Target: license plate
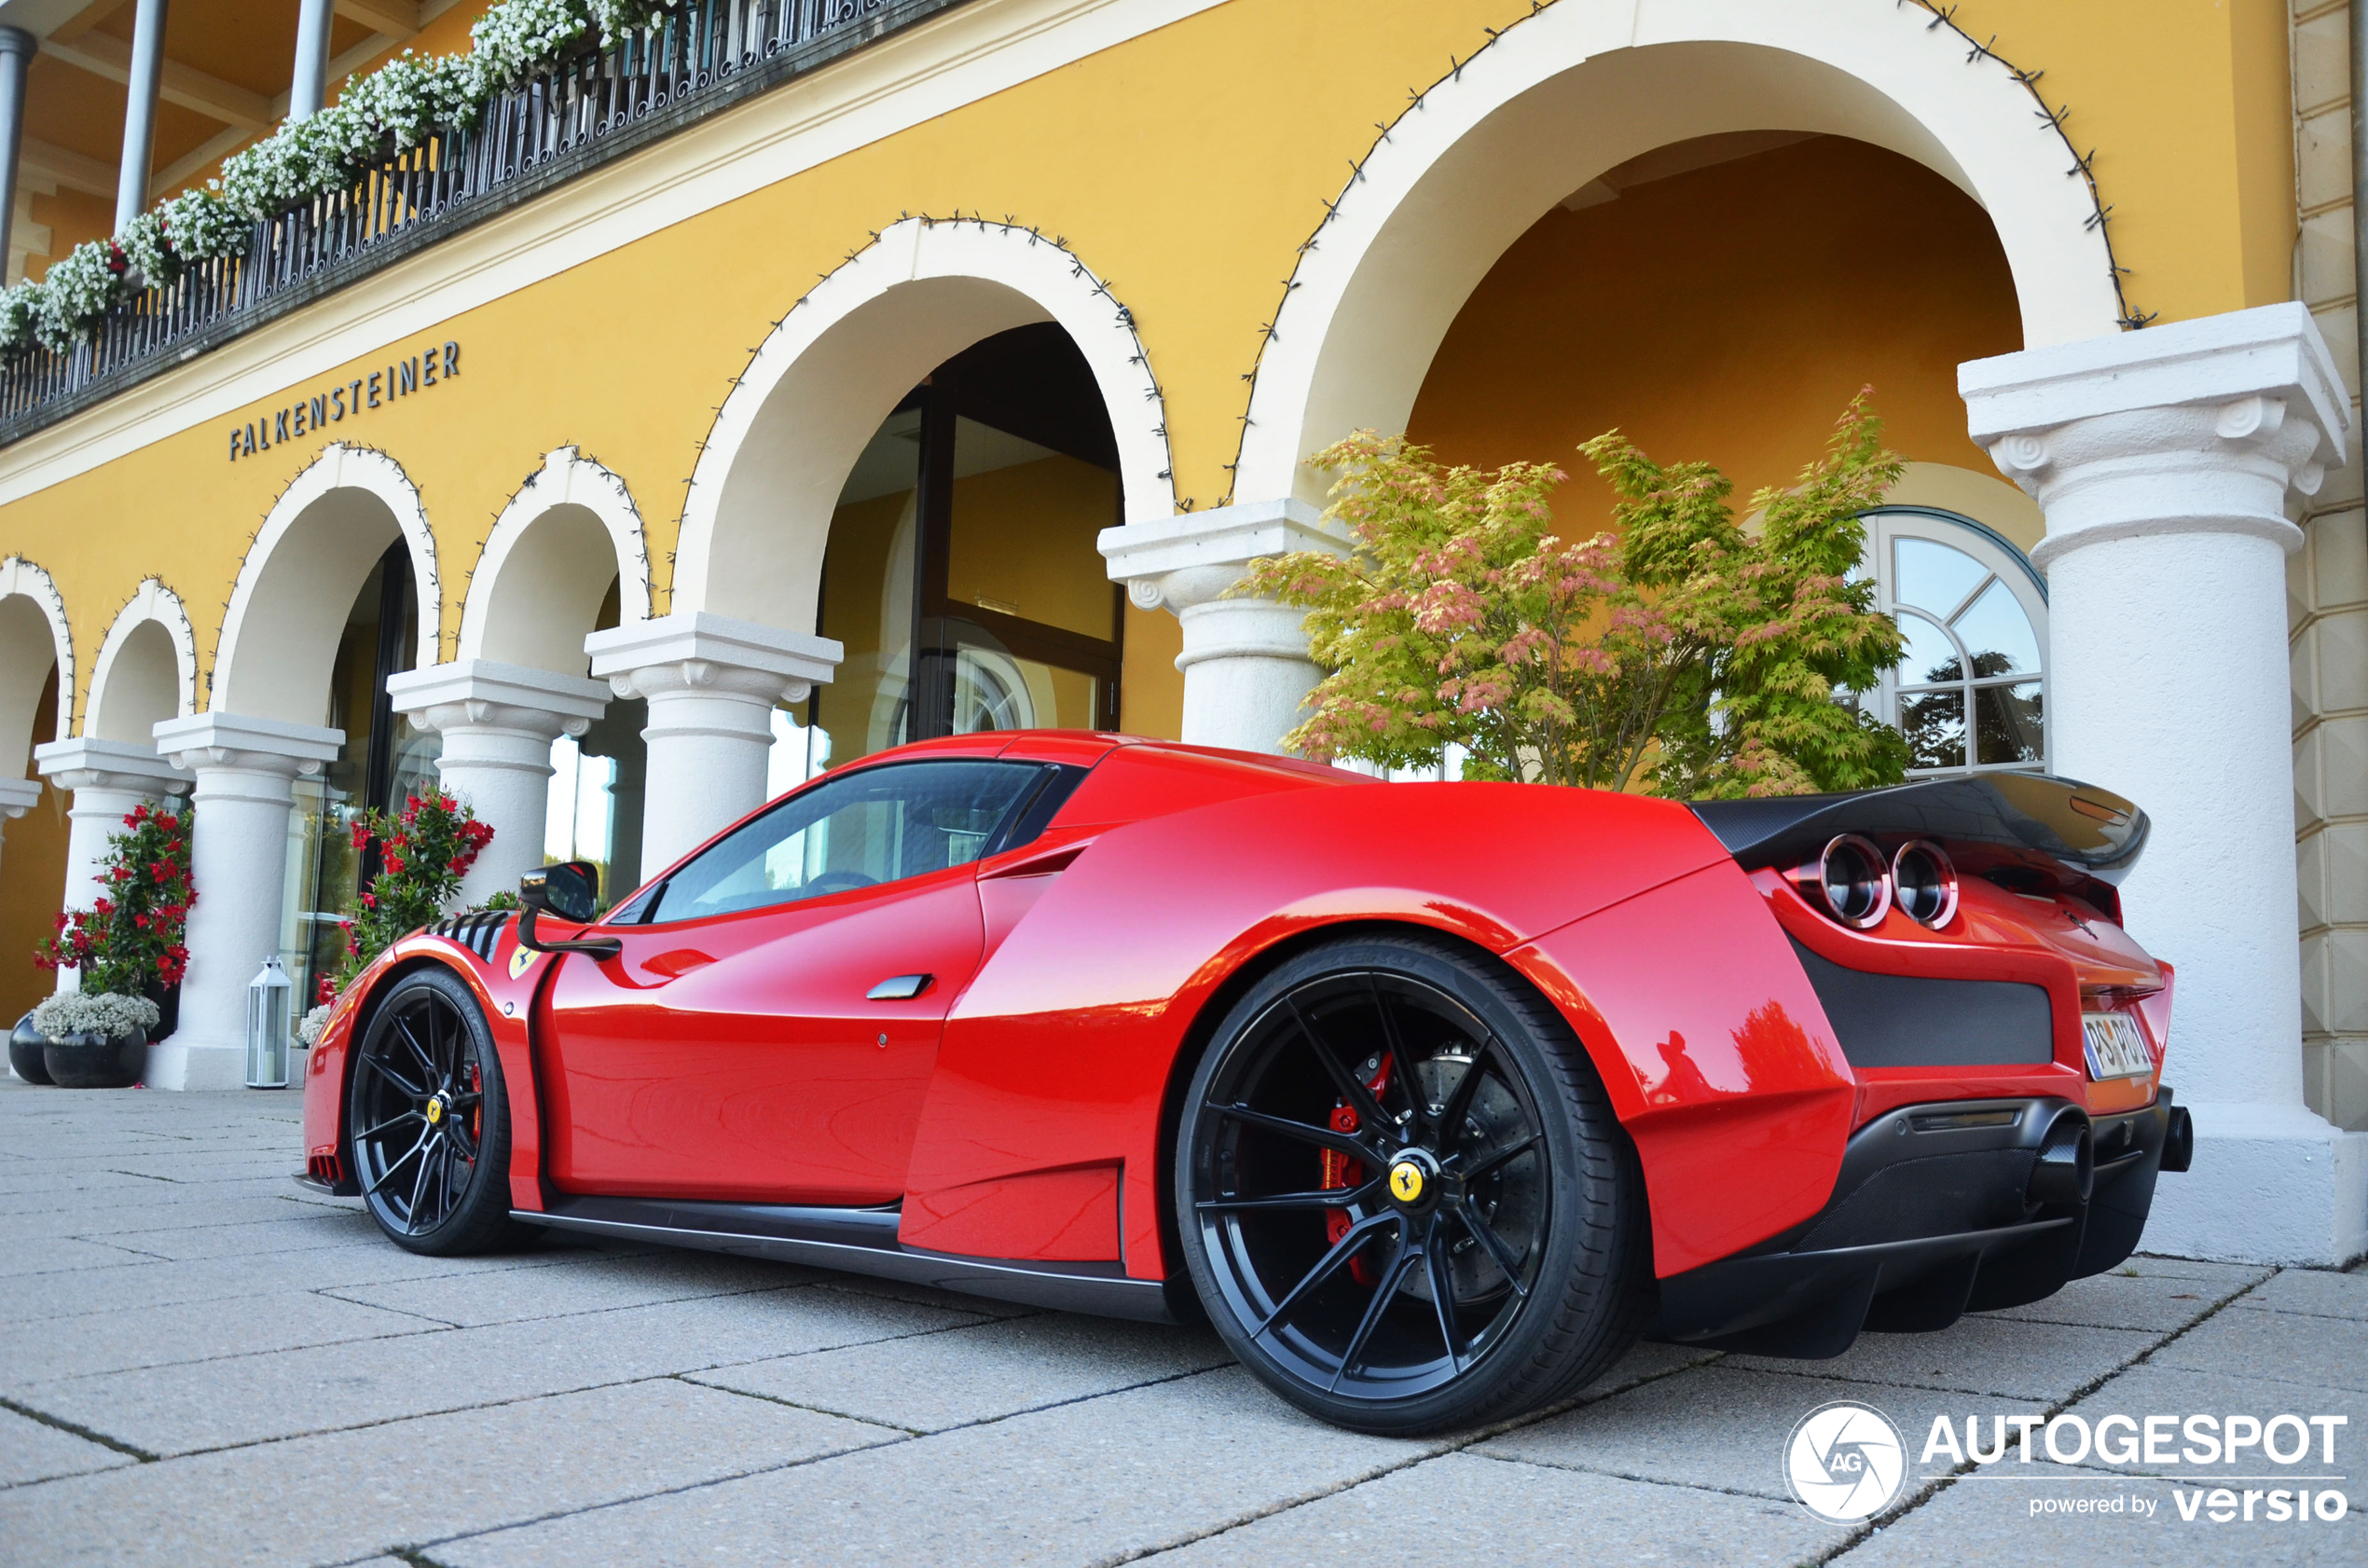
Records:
x=2115, y=1048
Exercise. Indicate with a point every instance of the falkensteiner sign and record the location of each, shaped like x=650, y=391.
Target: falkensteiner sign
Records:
x=408, y=377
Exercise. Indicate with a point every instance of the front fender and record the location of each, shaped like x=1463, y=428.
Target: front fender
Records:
x=503, y=978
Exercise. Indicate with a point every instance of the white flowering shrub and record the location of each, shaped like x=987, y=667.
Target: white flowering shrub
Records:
x=104, y=1014
x=198, y=225
x=310, y=1029
x=392, y=110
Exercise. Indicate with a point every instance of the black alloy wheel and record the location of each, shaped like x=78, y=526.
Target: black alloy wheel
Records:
x=431, y=1122
x=1402, y=1195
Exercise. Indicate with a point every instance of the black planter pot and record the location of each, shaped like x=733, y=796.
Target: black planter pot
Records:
x=168, y=1000
x=96, y=1062
x=24, y=1051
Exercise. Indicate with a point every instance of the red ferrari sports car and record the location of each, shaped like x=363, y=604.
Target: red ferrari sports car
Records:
x=1432, y=1097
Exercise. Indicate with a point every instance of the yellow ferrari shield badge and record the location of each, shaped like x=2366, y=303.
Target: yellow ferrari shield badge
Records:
x=1405, y=1180
x=435, y=1113
x=521, y=960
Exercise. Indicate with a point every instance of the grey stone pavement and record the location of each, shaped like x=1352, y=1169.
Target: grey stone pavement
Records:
x=200, y=1363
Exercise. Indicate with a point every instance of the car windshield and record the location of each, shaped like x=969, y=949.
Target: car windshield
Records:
x=879, y=824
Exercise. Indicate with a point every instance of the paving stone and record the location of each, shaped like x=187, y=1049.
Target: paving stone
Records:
x=2040, y=1361
x=324, y=1227
x=41, y=1351
x=2313, y=1291
x=2153, y=1389
x=1094, y=1482
x=1991, y=1524
x=2285, y=1347
x=34, y=1451
x=589, y=1285
x=137, y=1284
x=2145, y=1298
x=1503, y=1513
x=125, y=1217
x=978, y=1374
x=250, y=1398
x=345, y=1495
x=1722, y=1427
x=2161, y=1266
x=44, y=1255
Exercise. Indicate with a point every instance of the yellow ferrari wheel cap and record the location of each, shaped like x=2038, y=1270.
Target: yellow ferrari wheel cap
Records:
x=1406, y=1182
x=435, y=1112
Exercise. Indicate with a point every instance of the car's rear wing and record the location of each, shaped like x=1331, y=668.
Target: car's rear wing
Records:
x=2089, y=832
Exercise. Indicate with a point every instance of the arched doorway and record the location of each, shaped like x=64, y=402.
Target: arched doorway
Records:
x=961, y=575
x=37, y=694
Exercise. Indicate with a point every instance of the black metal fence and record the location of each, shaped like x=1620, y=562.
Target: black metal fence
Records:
x=561, y=115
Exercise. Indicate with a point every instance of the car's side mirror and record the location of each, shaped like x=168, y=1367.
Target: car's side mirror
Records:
x=571, y=892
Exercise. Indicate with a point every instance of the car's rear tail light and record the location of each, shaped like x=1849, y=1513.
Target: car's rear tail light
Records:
x=1853, y=883
x=1924, y=883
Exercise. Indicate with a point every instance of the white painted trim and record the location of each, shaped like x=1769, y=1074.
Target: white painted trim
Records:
x=967, y=54
x=1573, y=90
x=565, y=478
x=20, y=576
x=770, y=471
x=338, y=467
x=156, y=602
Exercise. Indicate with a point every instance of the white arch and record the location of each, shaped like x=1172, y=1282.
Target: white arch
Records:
x=297, y=586
x=768, y=478
x=1577, y=87
x=29, y=646
x=539, y=583
x=134, y=687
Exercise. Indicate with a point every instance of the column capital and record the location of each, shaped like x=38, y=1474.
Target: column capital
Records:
x=483, y=694
x=700, y=653
x=17, y=796
x=16, y=40
x=203, y=742
x=86, y=763
x=1192, y=558
x=2201, y=426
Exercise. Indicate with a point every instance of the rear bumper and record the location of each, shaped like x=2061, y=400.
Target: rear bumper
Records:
x=1932, y=1218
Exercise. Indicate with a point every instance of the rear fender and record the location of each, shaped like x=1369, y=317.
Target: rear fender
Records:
x=1059, y=1056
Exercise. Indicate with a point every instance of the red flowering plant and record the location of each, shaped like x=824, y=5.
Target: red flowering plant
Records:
x=130, y=936
x=423, y=853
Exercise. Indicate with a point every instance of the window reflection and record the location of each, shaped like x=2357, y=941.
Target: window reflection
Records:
x=1968, y=691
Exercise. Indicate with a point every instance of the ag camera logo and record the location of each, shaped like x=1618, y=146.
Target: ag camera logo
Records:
x=1845, y=1461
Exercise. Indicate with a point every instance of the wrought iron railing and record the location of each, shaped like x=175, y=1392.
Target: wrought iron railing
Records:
x=706, y=54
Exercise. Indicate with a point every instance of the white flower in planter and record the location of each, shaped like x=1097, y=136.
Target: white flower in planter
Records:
x=310, y=1028
x=106, y=1014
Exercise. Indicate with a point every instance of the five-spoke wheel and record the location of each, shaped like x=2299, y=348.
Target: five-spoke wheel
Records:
x=430, y=1121
x=1402, y=1195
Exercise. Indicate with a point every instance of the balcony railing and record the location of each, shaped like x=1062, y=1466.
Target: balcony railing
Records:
x=605, y=101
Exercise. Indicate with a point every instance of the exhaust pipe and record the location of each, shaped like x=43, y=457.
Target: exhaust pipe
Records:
x=2179, y=1140
x=2065, y=1168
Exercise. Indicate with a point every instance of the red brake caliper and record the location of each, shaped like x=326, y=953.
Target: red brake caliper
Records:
x=1341, y=1171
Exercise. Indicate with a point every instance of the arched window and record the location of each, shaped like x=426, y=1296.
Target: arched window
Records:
x=1971, y=693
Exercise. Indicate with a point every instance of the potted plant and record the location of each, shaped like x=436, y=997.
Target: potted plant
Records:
x=423, y=853
x=95, y=1040
x=126, y=949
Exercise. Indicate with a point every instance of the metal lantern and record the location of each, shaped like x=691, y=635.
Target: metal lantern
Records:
x=267, y=1026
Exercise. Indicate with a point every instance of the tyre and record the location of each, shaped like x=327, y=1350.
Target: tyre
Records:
x=430, y=1120
x=1403, y=1195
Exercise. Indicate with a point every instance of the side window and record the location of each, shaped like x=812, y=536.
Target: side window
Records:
x=873, y=825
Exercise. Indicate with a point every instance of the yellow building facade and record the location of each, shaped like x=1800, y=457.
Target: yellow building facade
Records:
x=944, y=367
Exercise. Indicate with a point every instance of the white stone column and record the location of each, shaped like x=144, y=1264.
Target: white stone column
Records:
x=711, y=683
x=108, y=777
x=1245, y=659
x=246, y=769
x=2164, y=460
x=498, y=721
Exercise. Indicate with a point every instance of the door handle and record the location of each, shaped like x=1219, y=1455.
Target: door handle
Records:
x=900, y=988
